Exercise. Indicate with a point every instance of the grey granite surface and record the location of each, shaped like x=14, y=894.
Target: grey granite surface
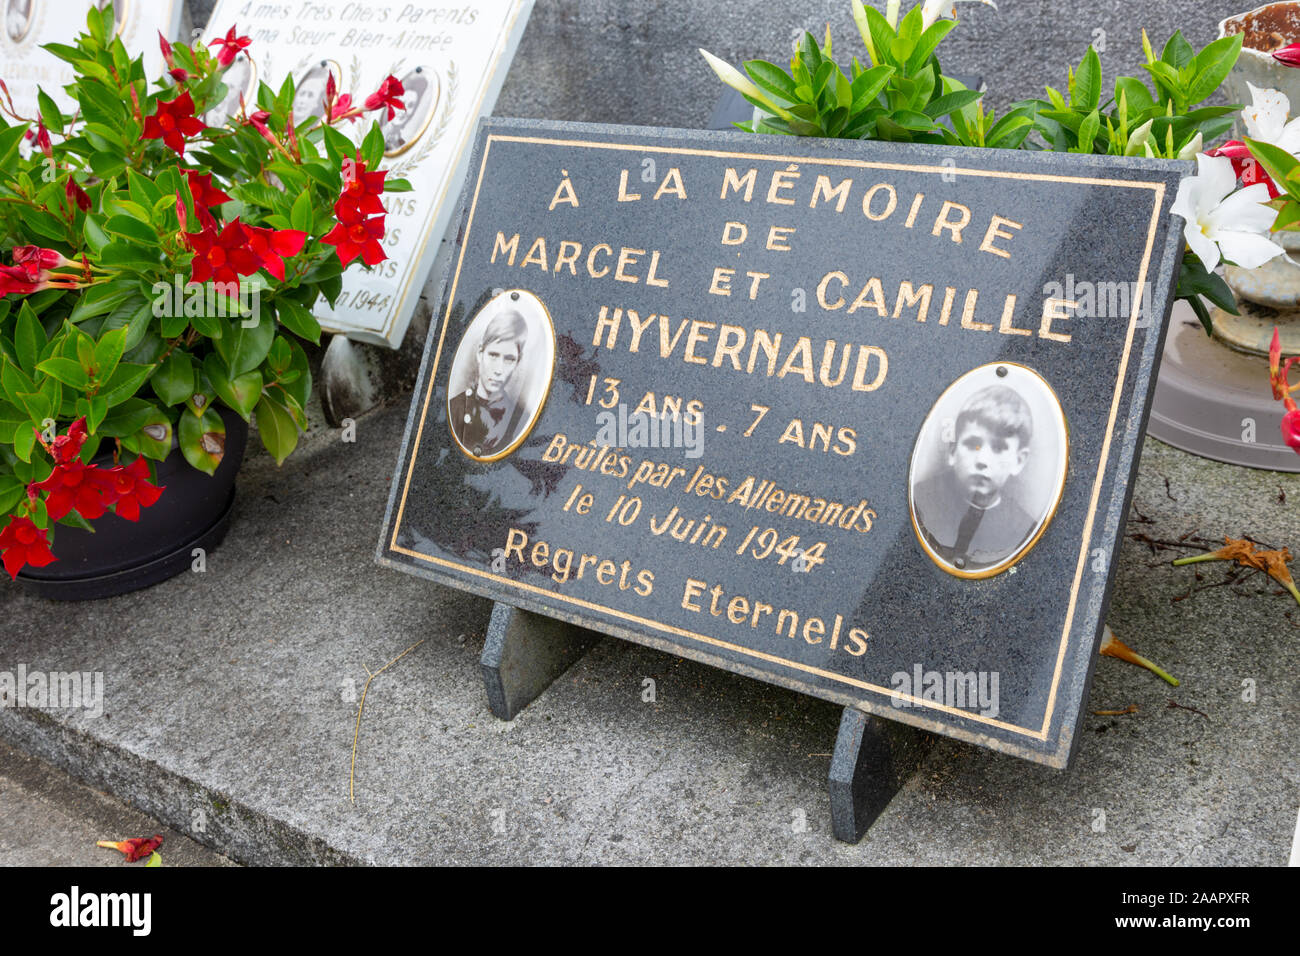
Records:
x=233, y=692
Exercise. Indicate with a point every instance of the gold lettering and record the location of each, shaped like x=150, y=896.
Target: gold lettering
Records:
x=996, y=232
x=823, y=191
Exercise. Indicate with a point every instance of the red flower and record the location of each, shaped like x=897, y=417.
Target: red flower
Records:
x=33, y=259
x=23, y=543
x=1289, y=54
x=201, y=188
x=361, y=190
x=1291, y=429
x=230, y=46
x=389, y=95
x=17, y=279
x=73, y=485
x=132, y=488
x=271, y=246
x=43, y=139
x=173, y=122
x=257, y=120
x=77, y=195
x=1244, y=165
x=67, y=447
x=341, y=107
x=134, y=849
x=223, y=256
x=355, y=236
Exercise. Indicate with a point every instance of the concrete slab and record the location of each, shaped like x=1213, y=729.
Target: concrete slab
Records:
x=49, y=819
x=233, y=693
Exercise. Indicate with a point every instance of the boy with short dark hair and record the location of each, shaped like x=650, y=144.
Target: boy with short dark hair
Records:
x=966, y=512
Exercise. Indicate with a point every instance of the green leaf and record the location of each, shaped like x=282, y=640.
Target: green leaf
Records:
x=1088, y=131
x=173, y=382
x=108, y=352
x=134, y=229
x=127, y=256
x=128, y=418
x=1178, y=52
x=67, y=371
x=240, y=394
x=767, y=76
x=29, y=337
x=927, y=43
x=127, y=379
x=1213, y=64
x=298, y=319
x=244, y=345
x=37, y=405
x=945, y=104
x=301, y=215
x=24, y=442
x=1087, y=83
x=154, y=438
x=276, y=426
x=203, y=440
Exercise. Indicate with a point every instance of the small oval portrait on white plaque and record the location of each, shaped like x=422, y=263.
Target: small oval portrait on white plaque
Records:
x=988, y=469
x=500, y=375
x=240, y=79
x=422, y=91
x=19, y=15
x=309, y=89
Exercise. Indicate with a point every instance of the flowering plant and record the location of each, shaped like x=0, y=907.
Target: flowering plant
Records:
x=903, y=95
x=154, y=265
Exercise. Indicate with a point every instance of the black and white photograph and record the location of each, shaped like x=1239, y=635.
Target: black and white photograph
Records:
x=240, y=78
x=500, y=375
x=309, y=90
x=422, y=92
x=19, y=15
x=988, y=469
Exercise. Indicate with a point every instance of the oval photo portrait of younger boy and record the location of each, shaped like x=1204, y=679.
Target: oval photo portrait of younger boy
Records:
x=988, y=469
x=500, y=375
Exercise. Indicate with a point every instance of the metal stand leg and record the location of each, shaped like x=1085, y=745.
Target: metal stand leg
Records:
x=524, y=653
x=873, y=760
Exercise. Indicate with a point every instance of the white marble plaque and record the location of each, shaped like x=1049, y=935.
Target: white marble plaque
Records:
x=451, y=57
x=27, y=24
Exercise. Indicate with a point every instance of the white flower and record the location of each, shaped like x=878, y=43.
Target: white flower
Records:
x=1222, y=222
x=741, y=83
x=934, y=9
x=1266, y=119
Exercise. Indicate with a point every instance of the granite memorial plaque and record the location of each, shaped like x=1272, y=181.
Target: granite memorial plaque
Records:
x=855, y=418
x=451, y=59
x=26, y=25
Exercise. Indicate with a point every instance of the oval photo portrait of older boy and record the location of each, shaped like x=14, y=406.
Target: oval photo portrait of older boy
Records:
x=500, y=375
x=988, y=469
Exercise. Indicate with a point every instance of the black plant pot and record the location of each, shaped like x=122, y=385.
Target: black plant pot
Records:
x=122, y=556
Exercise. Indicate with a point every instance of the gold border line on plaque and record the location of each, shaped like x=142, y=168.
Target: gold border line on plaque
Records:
x=550, y=380
x=1064, y=465
x=1158, y=193
x=503, y=37
x=34, y=7
x=428, y=119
